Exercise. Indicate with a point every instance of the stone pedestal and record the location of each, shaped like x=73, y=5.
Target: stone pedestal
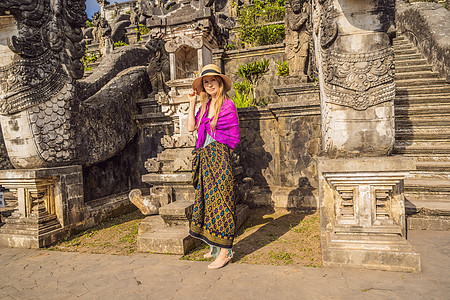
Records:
x=363, y=214
x=50, y=204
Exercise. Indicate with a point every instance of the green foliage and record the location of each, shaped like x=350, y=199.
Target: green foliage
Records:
x=250, y=73
x=89, y=57
x=128, y=12
x=242, y=100
x=253, y=71
x=89, y=24
x=120, y=44
x=142, y=29
x=282, y=68
x=253, y=28
x=230, y=47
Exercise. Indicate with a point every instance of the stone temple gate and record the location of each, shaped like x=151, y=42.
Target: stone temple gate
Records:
x=347, y=132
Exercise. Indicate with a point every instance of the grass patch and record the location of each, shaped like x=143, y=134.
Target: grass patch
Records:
x=275, y=237
x=113, y=236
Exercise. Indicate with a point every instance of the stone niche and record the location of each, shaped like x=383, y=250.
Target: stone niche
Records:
x=186, y=62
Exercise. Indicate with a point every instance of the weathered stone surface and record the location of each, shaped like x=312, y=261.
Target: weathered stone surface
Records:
x=278, y=149
x=354, y=56
x=146, y=204
x=50, y=205
x=363, y=213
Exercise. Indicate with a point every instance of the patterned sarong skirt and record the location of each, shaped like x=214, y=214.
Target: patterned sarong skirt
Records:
x=213, y=216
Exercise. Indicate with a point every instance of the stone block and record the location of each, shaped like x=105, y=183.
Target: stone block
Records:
x=151, y=223
x=440, y=223
x=178, y=212
x=174, y=240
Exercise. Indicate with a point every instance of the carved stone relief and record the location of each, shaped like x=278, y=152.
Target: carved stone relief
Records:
x=353, y=48
x=159, y=65
x=359, y=80
x=298, y=37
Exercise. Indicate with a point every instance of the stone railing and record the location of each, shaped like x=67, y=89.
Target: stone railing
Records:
x=426, y=24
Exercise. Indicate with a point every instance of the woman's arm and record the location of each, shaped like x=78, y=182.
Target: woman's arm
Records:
x=191, y=114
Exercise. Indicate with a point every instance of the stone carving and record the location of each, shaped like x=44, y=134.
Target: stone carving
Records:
x=354, y=56
x=146, y=204
x=134, y=15
x=328, y=24
x=359, y=80
x=102, y=34
x=159, y=66
x=49, y=119
x=297, y=36
x=189, y=41
x=153, y=165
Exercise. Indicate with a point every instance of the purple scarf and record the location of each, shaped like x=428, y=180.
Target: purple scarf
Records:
x=227, y=127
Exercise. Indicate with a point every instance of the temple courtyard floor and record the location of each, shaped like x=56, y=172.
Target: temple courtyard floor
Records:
x=43, y=274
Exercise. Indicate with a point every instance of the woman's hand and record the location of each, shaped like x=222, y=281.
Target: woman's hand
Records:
x=192, y=97
x=191, y=114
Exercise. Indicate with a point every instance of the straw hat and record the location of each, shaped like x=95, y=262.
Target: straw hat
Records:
x=211, y=69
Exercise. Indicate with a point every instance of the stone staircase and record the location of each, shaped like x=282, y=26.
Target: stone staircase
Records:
x=422, y=117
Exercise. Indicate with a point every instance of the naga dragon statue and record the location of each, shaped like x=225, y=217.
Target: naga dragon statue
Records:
x=49, y=115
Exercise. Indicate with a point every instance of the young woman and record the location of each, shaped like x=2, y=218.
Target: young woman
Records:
x=213, y=219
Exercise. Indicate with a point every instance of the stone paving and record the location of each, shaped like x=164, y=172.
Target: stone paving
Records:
x=42, y=274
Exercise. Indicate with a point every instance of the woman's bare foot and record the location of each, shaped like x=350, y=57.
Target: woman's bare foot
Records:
x=221, y=260
x=207, y=255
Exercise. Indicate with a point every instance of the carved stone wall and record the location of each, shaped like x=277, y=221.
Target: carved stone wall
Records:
x=353, y=47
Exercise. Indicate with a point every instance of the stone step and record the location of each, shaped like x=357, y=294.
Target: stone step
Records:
x=422, y=99
x=435, y=166
x=156, y=117
x=173, y=240
x=404, y=51
x=421, y=149
x=416, y=135
x=400, y=37
x=403, y=57
x=416, y=75
x=424, y=109
x=412, y=68
x=177, y=213
x=422, y=120
x=387, y=229
x=146, y=101
x=406, y=83
x=151, y=223
x=397, y=43
x=410, y=62
x=432, y=193
x=442, y=88
x=391, y=242
x=403, y=44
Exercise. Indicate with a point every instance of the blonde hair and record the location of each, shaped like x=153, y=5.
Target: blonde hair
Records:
x=204, y=97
